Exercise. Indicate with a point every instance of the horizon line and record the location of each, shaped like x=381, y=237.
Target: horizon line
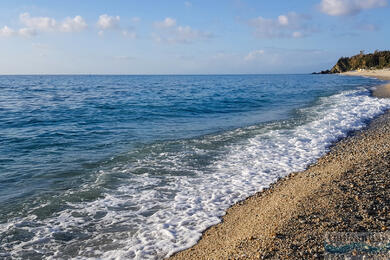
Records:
x=146, y=74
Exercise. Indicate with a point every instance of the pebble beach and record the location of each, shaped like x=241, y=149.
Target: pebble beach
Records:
x=344, y=191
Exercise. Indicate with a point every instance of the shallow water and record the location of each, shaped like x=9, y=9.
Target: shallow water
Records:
x=138, y=166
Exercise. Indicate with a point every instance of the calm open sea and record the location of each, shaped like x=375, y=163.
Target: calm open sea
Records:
x=136, y=167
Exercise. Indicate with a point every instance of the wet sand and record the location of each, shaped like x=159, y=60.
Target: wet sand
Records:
x=384, y=74
x=345, y=191
x=382, y=91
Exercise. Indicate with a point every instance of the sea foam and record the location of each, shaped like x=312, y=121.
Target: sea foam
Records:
x=151, y=215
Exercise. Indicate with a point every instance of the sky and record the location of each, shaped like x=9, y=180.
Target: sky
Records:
x=187, y=37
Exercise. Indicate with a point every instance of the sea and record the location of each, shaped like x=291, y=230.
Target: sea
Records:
x=137, y=167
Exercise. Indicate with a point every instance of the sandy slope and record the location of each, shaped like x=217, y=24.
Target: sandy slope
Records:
x=380, y=74
x=345, y=191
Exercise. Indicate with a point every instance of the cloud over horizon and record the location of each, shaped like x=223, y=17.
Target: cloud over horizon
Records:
x=349, y=7
x=33, y=25
x=253, y=55
x=48, y=24
x=291, y=25
x=187, y=36
x=6, y=31
x=169, y=32
x=106, y=22
x=76, y=24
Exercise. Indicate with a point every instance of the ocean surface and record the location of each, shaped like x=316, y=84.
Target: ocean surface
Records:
x=136, y=167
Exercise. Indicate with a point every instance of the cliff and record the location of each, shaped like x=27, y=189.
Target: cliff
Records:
x=376, y=60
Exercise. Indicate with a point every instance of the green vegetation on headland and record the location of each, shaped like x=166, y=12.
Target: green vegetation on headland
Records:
x=376, y=60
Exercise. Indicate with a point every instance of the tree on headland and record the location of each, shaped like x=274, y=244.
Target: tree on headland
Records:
x=376, y=60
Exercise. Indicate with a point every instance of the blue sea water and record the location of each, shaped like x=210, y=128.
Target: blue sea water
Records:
x=138, y=166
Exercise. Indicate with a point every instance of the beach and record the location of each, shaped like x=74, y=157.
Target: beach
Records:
x=344, y=191
x=170, y=168
x=380, y=74
x=383, y=74
x=151, y=130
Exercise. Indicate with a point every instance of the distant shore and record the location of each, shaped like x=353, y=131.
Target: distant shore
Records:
x=345, y=191
x=384, y=74
x=380, y=74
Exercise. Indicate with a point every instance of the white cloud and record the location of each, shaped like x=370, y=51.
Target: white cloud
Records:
x=188, y=4
x=291, y=25
x=38, y=23
x=75, y=24
x=129, y=34
x=27, y=32
x=107, y=22
x=253, y=55
x=283, y=20
x=166, y=23
x=6, y=32
x=349, y=7
x=48, y=24
x=169, y=31
x=186, y=34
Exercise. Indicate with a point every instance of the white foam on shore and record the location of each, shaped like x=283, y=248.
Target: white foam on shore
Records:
x=153, y=216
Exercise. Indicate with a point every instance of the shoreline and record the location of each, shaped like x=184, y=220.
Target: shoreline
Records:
x=383, y=74
x=382, y=91
x=288, y=221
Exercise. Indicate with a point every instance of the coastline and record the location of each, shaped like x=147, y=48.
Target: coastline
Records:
x=383, y=74
x=339, y=193
x=382, y=91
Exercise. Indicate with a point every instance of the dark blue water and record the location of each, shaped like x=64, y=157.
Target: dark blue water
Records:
x=59, y=133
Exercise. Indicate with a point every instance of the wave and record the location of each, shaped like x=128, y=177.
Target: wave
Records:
x=158, y=199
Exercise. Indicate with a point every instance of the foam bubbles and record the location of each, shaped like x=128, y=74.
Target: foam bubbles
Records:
x=171, y=195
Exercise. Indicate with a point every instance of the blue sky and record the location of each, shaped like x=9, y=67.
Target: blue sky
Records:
x=187, y=37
